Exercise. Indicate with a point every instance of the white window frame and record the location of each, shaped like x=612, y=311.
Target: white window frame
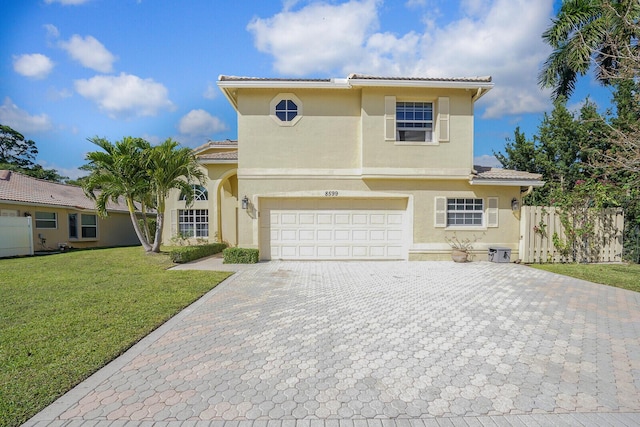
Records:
x=466, y=206
x=440, y=132
x=490, y=213
x=413, y=124
x=42, y=221
x=189, y=221
x=200, y=194
x=286, y=97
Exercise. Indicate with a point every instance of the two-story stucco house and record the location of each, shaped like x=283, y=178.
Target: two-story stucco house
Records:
x=356, y=168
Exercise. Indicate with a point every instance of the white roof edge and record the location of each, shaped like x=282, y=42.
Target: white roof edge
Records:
x=449, y=84
x=350, y=82
x=291, y=84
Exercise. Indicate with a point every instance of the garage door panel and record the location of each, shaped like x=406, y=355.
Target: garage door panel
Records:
x=394, y=235
x=337, y=234
x=360, y=235
x=342, y=234
x=325, y=235
x=342, y=219
x=307, y=219
x=288, y=219
x=325, y=219
x=377, y=235
x=288, y=235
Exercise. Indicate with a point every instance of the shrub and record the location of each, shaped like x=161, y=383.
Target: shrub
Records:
x=240, y=256
x=189, y=253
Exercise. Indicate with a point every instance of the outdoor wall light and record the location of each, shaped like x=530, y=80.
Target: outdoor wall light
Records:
x=515, y=204
x=245, y=202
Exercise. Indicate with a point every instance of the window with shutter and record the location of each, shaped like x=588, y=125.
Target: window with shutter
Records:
x=492, y=212
x=440, y=211
x=390, y=118
x=443, y=119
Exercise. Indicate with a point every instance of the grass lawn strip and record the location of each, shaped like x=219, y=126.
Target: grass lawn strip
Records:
x=63, y=317
x=626, y=276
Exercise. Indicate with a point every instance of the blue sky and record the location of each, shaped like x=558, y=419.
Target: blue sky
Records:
x=74, y=69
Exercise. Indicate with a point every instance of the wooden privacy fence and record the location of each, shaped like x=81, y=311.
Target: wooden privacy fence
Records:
x=595, y=236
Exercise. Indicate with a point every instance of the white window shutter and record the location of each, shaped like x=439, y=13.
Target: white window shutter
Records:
x=390, y=118
x=443, y=119
x=492, y=212
x=174, y=222
x=440, y=211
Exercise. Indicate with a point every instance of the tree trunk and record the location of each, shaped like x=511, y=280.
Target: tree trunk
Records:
x=134, y=220
x=157, y=241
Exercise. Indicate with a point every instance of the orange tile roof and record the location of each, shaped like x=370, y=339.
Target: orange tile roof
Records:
x=16, y=187
x=487, y=172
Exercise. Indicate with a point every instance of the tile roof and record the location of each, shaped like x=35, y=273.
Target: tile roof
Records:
x=490, y=173
x=482, y=79
x=224, y=155
x=216, y=144
x=223, y=78
x=17, y=187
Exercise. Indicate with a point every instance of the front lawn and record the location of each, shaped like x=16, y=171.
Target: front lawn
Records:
x=625, y=276
x=62, y=317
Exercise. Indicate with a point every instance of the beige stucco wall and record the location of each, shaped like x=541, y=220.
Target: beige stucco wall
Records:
x=222, y=202
x=454, y=154
x=115, y=230
x=428, y=242
x=327, y=135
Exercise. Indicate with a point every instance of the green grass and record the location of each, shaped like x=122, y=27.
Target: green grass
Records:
x=62, y=317
x=626, y=276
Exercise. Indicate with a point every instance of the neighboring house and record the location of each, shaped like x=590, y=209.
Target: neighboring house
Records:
x=356, y=168
x=62, y=214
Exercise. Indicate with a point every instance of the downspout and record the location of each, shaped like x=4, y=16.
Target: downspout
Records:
x=526, y=192
x=475, y=97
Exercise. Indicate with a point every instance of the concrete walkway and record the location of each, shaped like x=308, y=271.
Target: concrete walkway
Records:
x=377, y=344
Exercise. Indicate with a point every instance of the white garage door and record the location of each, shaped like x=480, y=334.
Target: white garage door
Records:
x=337, y=234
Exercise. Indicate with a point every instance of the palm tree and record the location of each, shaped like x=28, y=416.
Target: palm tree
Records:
x=603, y=33
x=118, y=171
x=170, y=166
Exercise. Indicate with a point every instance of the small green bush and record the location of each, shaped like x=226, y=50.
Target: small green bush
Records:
x=240, y=256
x=189, y=253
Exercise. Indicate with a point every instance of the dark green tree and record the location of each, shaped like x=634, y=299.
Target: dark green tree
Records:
x=19, y=154
x=585, y=33
x=15, y=149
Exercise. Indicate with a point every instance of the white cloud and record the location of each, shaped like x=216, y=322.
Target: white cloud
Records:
x=125, y=95
x=199, y=122
x=492, y=37
x=67, y=2
x=318, y=37
x=55, y=94
x=211, y=92
x=52, y=31
x=72, y=173
x=89, y=52
x=487, y=160
x=22, y=121
x=34, y=65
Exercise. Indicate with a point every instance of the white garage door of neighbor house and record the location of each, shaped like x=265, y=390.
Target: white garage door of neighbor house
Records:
x=337, y=234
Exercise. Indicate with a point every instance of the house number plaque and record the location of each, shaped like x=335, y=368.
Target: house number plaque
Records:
x=331, y=194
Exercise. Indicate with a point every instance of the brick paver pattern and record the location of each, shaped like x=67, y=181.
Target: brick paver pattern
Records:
x=385, y=340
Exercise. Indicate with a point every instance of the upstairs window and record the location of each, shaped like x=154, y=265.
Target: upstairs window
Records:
x=285, y=109
x=414, y=121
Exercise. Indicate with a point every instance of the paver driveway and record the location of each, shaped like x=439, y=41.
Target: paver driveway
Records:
x=379, y=343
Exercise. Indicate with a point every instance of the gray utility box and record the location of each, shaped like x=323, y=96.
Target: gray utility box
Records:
x=499, y=254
